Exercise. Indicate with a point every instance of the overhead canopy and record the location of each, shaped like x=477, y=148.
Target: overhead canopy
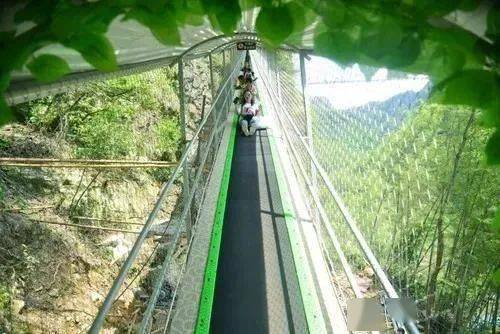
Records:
x=134, y=43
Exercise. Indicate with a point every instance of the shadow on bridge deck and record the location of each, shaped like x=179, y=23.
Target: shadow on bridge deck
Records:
x=257, y=290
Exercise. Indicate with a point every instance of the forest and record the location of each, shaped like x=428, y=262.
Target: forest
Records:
x=414, y=176
x=425, y=200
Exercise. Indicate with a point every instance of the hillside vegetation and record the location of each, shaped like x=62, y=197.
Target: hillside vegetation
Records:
x=59, y=272
x=425, y=200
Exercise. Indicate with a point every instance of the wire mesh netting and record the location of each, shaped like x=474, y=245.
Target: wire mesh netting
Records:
x=200, y=161
x=368, y=148
x=404, y=171
x=138, y=117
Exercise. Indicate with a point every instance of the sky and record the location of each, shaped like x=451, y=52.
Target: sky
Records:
x=349, y=88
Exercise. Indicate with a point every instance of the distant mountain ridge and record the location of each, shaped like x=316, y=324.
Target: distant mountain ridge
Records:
x=372, y=120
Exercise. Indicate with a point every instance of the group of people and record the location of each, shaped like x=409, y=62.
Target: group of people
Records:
x=246, y=99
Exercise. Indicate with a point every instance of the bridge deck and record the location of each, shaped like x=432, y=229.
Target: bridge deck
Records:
x=257, y=289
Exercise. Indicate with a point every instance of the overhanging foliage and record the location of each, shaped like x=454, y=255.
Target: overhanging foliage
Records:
x=408, y=35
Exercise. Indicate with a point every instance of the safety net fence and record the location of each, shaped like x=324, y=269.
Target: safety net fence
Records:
x=395, y=183
x=166, y=116
x=225, y=68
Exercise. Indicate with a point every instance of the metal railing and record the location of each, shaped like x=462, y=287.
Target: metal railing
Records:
x=210, y=123
x=221, y=107
x=299, y=143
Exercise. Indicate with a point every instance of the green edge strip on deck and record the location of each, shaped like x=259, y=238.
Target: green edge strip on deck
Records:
x=312, y=307
x=208, y=290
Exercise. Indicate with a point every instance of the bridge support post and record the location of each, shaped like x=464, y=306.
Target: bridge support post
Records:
x=268, y=56
x=186, y=167
x=224, y=61
x=278, y=86
x=211, y=68
x=213, y=120
x=308, y=130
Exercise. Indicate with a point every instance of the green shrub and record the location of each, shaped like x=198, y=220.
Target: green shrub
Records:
x=4, y=309
x=41, y=115
x=161, y=174
x=169, y=137
x=4, y=298
x=4, y=143
x=2, y=194
x=107, y=134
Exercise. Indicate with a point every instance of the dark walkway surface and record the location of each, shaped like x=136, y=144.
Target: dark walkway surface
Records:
x=257, y=289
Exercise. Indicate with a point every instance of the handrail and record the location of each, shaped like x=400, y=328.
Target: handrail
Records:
x=115, y=288
x=379, y=272
x=27, y=90
x=165, y=265
x=331, y=233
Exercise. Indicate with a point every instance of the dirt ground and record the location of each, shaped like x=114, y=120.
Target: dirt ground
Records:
x=54, y=277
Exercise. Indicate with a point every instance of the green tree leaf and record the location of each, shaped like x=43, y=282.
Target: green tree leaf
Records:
x=6, y=37
x=153, y=6
x=438, y=61
x=338, y=46
x=274, y=24
x=162, y=25
x=47, y=68
x=195, y=20
x=496, y=278
x=193, y=13
x=446, y=61
x=16, y=50
x=332, y=12
x=404, y=55
x=476, y=88
x=167, y=34
x=436, y=8
x=69, y=20
x=456, y=40
x=495, y=224
x=96, y=49
x=302, y=16
x=493, y=149
x=5, y=111
x=380, y=39
x=125, y=3
x=4, y=81
x=228, y=14
x=37, y=11
x=493, y=23
x=250, y=4
x=469, y=5
x=490, y=117
x=195, y=7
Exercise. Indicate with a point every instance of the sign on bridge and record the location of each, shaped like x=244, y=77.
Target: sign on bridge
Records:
x=246, y=45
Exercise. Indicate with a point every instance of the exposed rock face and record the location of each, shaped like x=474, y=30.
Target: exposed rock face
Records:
x=196, y=84
x=59, y=272
x=17, y=305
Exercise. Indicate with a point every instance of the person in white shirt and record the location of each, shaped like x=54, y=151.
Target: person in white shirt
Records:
x=248, y=111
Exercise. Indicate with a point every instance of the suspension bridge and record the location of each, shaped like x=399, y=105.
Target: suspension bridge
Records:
x=268, y=231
